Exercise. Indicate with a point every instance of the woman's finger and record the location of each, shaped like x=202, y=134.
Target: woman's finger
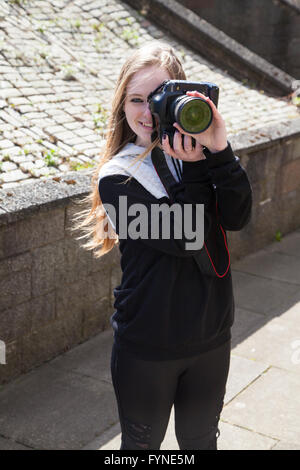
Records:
x=188, y=145
x=166, y=146
x=177, y=142
x=196, y=93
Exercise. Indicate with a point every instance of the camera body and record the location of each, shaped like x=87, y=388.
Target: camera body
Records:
x=169, y=103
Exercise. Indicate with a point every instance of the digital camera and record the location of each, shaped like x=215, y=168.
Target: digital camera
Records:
x=169, y=103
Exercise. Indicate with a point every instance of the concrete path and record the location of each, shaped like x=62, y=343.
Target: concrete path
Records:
x=69, y=402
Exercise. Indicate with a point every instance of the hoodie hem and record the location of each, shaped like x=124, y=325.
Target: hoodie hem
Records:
x=159, y=354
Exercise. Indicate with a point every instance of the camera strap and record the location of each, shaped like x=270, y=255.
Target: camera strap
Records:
x=202, y=257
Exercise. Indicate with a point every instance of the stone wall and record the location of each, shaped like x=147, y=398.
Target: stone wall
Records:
x=55, y=295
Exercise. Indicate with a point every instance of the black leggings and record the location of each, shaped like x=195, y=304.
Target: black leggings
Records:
x=147, y=390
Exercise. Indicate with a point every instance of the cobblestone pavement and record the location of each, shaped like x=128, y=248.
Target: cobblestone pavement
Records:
x=58, y=63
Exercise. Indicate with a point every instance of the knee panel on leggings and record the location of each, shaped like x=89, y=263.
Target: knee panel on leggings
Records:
x=136, y=435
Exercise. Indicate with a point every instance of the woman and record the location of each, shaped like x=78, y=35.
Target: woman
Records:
x=172, y=319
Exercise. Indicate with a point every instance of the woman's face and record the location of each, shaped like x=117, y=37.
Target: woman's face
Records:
x=136, y=107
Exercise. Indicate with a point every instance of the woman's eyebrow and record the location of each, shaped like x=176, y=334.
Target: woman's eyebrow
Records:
x=134, y=94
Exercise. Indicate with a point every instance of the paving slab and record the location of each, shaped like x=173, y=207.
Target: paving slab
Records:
x=269, y=406
x=277, y=343
x=239, y=438
x=245, y=324
x=262, y=264
x=91, y=358
x=51, y=408
x=242, y=372
x=286, y=446
x=8, y=444
x=289, y=245
x=108, y=440
x=262, y=294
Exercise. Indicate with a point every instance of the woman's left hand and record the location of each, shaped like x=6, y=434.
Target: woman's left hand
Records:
x=215, y=137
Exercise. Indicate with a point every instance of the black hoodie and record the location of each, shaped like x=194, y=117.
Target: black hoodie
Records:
x=166, y=307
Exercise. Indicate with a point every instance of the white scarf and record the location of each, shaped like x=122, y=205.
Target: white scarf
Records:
x=143, y=171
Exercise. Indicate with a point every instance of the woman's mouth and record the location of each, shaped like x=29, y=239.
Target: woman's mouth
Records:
x=146, y=125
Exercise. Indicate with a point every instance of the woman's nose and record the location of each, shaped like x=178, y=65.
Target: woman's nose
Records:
x=147, y=112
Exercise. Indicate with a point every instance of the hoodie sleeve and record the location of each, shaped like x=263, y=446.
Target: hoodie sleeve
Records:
x=188, y=226
x=233, y=189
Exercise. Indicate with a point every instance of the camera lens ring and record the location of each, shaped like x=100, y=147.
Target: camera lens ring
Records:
x=186, y=113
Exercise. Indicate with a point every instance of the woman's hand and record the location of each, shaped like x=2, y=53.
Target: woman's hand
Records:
x=188, y=153
x=215, y=137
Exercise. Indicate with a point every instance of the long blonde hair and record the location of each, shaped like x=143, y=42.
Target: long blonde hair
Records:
x=92, y=221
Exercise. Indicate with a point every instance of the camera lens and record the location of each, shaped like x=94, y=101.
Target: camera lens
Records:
x=194, y=115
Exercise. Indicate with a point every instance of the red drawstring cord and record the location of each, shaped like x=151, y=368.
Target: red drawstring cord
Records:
x=219, y=275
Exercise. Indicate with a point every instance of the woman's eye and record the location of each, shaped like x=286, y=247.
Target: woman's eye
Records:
x=136, y=100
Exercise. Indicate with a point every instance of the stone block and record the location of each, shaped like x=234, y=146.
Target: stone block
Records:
x=15, y=289
x=73, y=262
x=13, y=366
x=59, y=263
x=13, y=175
x=73, y=211
x=44, y=266
x=70, y=297
x=42, y=310
x=291, y=149
x=5, y=145
x=50, y=340
x=15, y=264
x=34, y=231
x=290, y=176
x=15, y=321
x=96, y=317
x=98, y=284
x=264, y=162
x=20, y=319
x=115, y=256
